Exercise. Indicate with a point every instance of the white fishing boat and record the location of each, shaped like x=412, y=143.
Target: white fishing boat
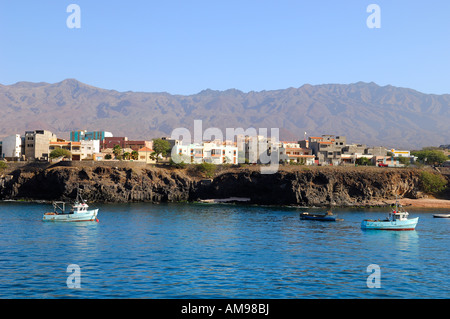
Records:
x=441, y=215
x=78, y=213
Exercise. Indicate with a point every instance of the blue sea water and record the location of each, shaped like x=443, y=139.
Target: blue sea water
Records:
x=219, y=251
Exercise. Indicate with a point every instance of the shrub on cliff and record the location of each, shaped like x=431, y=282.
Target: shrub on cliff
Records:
x=208, y=169
x=432, y=183
x=179, y=161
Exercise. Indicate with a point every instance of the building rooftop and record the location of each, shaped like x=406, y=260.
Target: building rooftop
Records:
x=65, y=143
x=145, y=149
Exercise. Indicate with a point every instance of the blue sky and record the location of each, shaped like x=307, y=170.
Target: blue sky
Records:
x=183, y=47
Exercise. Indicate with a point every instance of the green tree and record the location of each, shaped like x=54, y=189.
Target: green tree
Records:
x=363, y=161
x=127, y=155
x=58, y=152
x=432, y=183
x=160, y=147
x=135, y=155
x=3, y=166
x=432, y=157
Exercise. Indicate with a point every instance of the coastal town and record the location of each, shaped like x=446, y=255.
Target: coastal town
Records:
x=43, y=145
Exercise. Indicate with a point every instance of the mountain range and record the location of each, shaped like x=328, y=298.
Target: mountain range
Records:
x=363, y=112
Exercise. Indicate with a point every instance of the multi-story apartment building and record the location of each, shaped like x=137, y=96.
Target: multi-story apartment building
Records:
x=11, y=147
x=77, y=136
x=80, y=150
x=73, y=147
x=110, y=142
x=208, y=152
x=137, y=145
x=291, y=152
x=123, y=142
x=37, y=144
x=327, y=148
x=257, y=149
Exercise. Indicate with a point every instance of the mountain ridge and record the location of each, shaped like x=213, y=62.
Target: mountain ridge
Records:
x=364, y=112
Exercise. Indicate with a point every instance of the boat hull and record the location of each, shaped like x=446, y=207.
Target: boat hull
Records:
x=322, y=218
x=441, y=216
x=409, y=224
x=89, y=215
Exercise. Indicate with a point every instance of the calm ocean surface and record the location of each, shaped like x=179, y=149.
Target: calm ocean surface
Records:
x=219, y=251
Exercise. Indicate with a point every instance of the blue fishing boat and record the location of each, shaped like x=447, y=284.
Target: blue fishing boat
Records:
x=78, y=213
x=326, y=217
x=396, y=220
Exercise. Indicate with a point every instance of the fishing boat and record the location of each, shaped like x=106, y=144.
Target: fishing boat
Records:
x=325, y=217
x=396, y=220
x=78, y=213
x=441, y=215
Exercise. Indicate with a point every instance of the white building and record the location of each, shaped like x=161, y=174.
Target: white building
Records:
x=89, y=148
x=258, y=148
x=209, y=152
x=83, y=150
x=397, y=153
x=292, y=152
x=11, y=147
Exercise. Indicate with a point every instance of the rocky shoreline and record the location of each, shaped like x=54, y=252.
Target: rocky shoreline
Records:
x=290, y=186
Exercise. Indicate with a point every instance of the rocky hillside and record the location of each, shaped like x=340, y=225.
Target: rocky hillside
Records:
x=302, y=186
x=364, y=112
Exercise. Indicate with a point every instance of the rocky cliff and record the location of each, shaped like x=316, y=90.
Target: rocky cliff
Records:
x=99, y=184
x=321, y=186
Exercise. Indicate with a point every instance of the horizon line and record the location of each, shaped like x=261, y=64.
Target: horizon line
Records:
x=226, y=90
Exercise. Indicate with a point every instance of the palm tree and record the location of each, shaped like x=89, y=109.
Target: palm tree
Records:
x=117, y=150
x=135, y=155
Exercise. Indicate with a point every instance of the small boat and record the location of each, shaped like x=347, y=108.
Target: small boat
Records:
x=78, y=213
x=441, y=215
x=396, y=220
x=326, y=217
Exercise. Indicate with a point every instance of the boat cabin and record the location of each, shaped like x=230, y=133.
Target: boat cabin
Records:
x=79, y=207
x=398, y=215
